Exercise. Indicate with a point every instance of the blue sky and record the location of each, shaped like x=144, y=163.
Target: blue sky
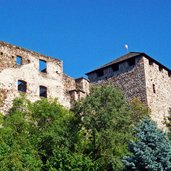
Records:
x=86, y=34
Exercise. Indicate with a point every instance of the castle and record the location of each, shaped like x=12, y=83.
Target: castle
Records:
x=141, y=76
x=36, y=75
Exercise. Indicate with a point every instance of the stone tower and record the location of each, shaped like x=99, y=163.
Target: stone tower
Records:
x=139, y=75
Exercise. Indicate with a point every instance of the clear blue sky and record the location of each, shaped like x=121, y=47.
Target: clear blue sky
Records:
x=86, y=34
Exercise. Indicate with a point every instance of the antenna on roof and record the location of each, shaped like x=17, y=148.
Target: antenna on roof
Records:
x=126, y=47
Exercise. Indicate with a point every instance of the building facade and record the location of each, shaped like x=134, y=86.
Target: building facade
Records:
x=36, y=76
x=141, y=76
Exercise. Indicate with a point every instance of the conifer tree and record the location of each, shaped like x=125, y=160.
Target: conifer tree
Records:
x=151, y=151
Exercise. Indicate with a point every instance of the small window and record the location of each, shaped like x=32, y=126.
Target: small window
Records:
x=169, y=73
x=42, y=66
x=115, y=67
x=131, y=62
x=43, y=91
x=154, y=88
x=100, y=73
x=150, y=62
x=160, y=68
x=19, y=60
x=22, y=86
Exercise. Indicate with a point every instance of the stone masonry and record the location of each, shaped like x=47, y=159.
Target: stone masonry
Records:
x=36, y=76
x=139, y=75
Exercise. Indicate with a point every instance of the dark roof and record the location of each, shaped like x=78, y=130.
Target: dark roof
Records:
x=126, y=57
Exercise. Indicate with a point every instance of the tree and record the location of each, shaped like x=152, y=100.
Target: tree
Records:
x=138, y=110
x=104, y=122
x=16, y=150
x=38, y=136
x=151, y=151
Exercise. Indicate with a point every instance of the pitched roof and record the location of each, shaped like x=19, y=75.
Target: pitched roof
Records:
x=126, y=57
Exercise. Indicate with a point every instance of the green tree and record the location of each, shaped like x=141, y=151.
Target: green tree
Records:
x=54, y=137
x=104, y=127
x=138, y=110
x=38, y=136
x=16, y=150
x=151, y=151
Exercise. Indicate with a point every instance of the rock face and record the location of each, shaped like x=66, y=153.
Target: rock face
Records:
x=36, y=75
x=139, y=75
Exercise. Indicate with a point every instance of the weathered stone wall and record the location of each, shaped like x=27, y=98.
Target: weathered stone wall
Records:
x=158, y=87
x=69, y=85
x=131, y=79
x=82, y=84
x=80, y=89
x=57, y=83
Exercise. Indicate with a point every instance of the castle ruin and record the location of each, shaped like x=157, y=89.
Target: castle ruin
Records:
x=36, y=75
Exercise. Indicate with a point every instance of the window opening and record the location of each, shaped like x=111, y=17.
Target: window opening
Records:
x=43, y=91
x=42, y=66
x=169, y=73
x=22, y=86
x=160, y=68
x=131, y=62
x=154, y=88
x=150, y=62
x=115, y=67
x=100, y=73
x=19, y=60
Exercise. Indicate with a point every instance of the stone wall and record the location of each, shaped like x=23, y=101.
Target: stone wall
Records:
x=57, y=83
x=158, y=87
x=131, y=79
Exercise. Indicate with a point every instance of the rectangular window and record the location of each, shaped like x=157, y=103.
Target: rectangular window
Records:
x=131, y=62
x=169, y=73
x=115, y=67
x=100, y=73
x=22, y=86
x=43, y=91
x=160, y=68
x=19, y=60
x=150, y=62
x=42, y=66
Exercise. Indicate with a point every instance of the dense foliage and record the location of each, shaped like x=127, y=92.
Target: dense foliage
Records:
x=151, y=151
x=45, y=136
x=107, y=121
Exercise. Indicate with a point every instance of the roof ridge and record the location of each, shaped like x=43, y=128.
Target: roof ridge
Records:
x=118, y=60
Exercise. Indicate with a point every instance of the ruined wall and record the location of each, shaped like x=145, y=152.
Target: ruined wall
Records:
x=69, y=85
x=58, y=84
x=79, y=88
x=82, y=84
x=131, y=79
x=158, y=87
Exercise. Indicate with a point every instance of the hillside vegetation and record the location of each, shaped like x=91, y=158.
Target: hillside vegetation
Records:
x=93, y=136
